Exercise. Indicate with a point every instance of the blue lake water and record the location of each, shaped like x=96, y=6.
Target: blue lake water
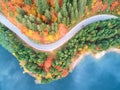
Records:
x=90, y=74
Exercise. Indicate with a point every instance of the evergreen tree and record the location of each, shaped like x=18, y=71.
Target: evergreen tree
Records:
x=64, y=10
x=29, y=24
x=48, y=26
x=68, y=21
x=64, y=21
x=38, y=4
x=41, y=27
x=75, y=4
x=81, y=7
x=42, y=5
x=39, y=20
x=59, y=17
x=69, y=5
x=32, y=18
x=20, y=11
x=76, y=13
x=34, y=26
x=56, y=27
x=24, y=21
x=57, y=7
x=72, y=15
x=19, y=18
x=65, y=1
x=89, y=3
x=48, y=15
x=28, y=2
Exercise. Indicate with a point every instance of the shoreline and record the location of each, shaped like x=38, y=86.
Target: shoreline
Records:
x=76, y=61
x=96, y=56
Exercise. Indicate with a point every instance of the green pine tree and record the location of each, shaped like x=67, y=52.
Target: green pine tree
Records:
x=64, y=21
x=81, y=7
x=76, y=13
x=75, y=4
x=57, y=7
x=32, y=18
x=20, y=11
x=72, y=15
x=56, y=27
x=48, y=15
x=68, y=21
x=24, y=21
x=64, y=10
x=39, y=20
x=42, y=5
x=60, y=17
x=69, y=6
x=28, y=2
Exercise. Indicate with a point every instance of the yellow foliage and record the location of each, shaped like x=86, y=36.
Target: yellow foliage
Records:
x=30, y=33
x=86, y=47
x=51, y=38
x=56, y=36
x=119, y=13
x=48, y=75
x=38, y=77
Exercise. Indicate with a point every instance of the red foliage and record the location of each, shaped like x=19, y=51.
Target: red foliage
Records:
x=63, y=29
x=65, y=73
x=48, y=64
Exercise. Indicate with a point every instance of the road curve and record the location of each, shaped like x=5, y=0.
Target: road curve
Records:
x=55, y=45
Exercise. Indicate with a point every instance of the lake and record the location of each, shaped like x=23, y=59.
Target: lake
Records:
x=90, y=74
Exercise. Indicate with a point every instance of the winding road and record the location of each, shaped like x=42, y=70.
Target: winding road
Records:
x=60, y=42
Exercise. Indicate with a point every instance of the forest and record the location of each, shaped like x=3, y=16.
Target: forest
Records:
x=50, y=66
x=46, y=21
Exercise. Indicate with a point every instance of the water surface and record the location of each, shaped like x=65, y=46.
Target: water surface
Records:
x=90, y=74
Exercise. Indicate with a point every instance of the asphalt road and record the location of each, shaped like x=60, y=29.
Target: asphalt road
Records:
x=60, y=42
